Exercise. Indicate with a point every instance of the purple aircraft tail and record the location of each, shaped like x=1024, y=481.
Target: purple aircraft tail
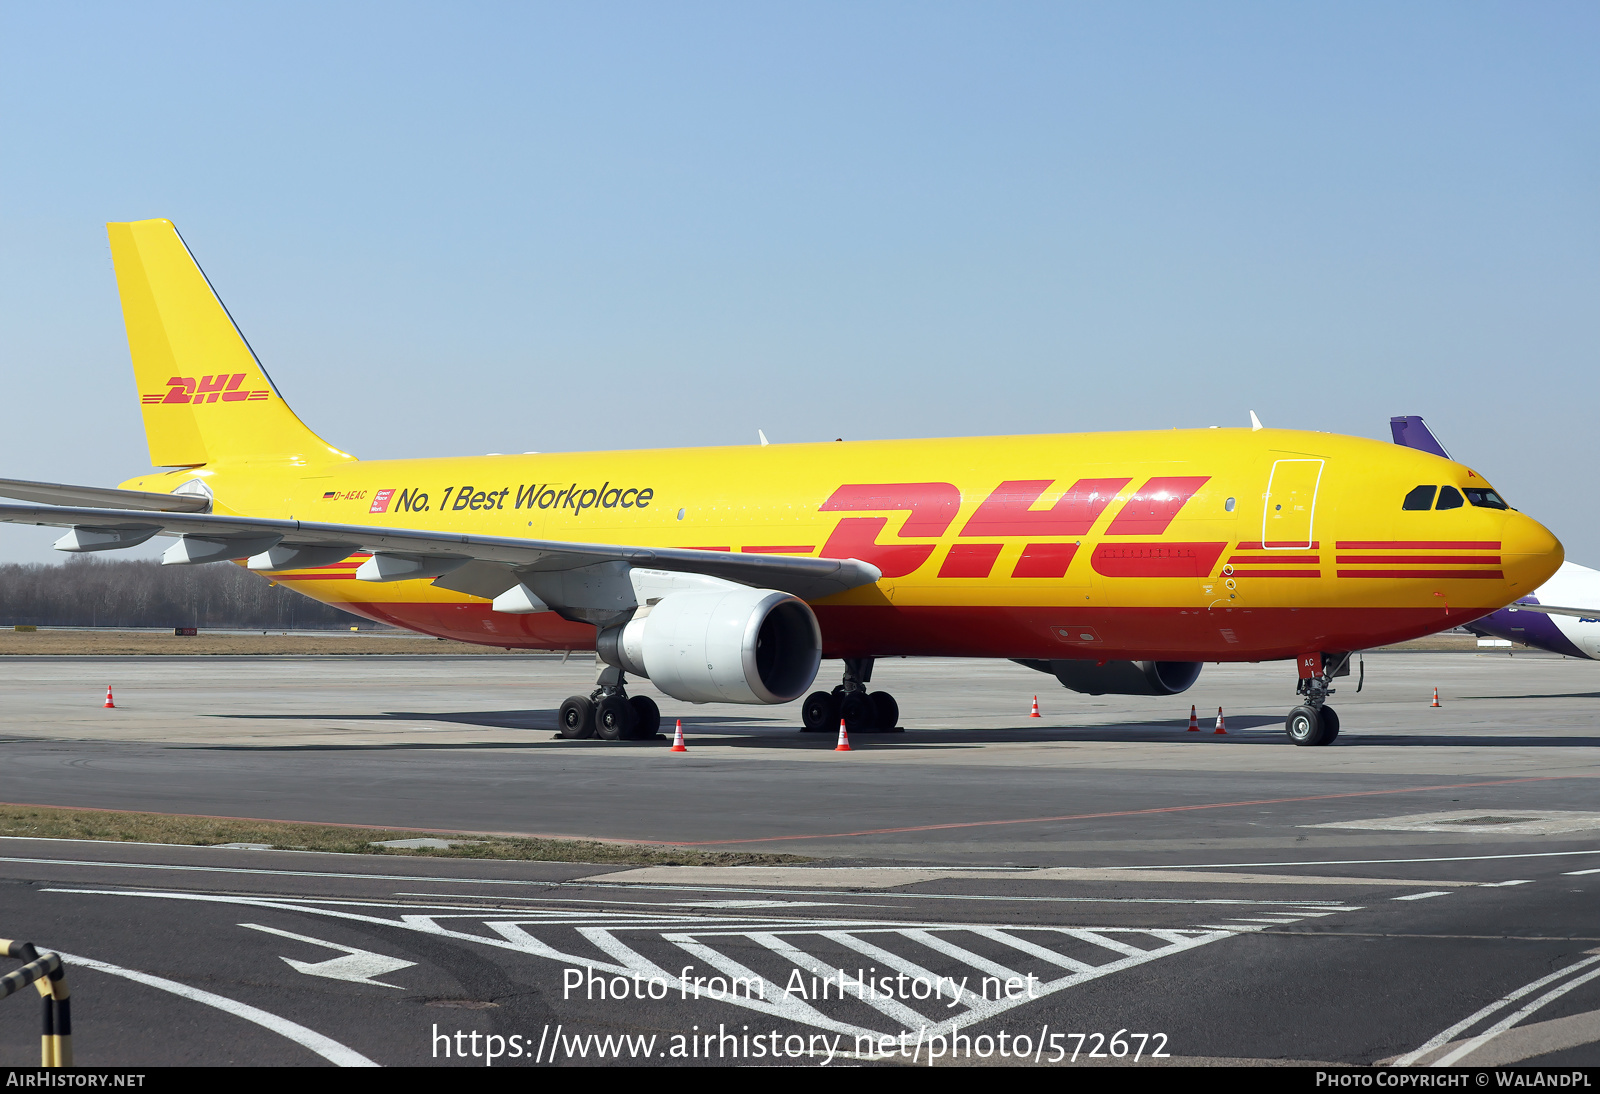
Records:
x=1412, y=432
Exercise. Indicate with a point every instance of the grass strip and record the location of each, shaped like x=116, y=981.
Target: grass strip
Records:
x=42, y=822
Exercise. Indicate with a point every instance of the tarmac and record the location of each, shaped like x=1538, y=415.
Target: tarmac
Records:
x=1245, y=899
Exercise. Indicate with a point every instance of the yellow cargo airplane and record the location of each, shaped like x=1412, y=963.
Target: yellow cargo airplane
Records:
x=1118, y=562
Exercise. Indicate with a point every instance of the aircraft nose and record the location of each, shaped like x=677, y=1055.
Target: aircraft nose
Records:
x=1530, y=553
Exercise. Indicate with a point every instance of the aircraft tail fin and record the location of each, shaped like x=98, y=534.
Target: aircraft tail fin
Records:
x=1410, y=431
x=205, y=397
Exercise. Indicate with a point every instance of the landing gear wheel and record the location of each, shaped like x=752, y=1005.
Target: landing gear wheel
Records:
x=887, y=710
x=1330, y=725
x=646, y=718
x=576, y=718
x=859, y=712
x=819, y=713
x=613, y=718
x=1305, y=726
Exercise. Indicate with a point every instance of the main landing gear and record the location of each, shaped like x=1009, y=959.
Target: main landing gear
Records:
x=861, y=711
x=608, y=712
x=1313, y=722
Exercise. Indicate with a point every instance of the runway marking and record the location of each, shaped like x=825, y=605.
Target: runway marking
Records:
x=1506, y=1023
x=274, y=873
x=357, y=966
x=1579, y=873
x=605, y=885
x=777, y=954
x=1367, y=861
x=885, y=894
x=842, y=835
x=325, y=1047
x=1099, y=816
x=1444, y=1038
x=1501, y=884
x=1420, y=896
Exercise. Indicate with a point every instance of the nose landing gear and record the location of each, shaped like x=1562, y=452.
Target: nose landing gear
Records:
x=609, y=712
x=1314, y=722
x=861, y=711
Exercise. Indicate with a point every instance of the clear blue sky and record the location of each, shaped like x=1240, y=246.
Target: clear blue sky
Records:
x=454, y=229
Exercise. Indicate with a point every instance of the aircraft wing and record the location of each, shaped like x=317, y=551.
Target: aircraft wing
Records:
x=483, y=566
x=59, y=493
x=1550, y=609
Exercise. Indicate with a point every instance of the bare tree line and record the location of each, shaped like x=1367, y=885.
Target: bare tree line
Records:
x=88, y=591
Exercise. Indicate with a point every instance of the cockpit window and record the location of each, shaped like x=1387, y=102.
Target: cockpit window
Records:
x=1420, y=498
x=1485, y=499
x=1450, y=498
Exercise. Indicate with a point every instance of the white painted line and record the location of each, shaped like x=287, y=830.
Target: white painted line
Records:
x=1579, y=873
x=274, y=873
x=1502, y=884
x=886, y=894
x=1420, y=896
x=357, y=966
x=1235, y=928
x=1359, y=861
x=325, y=1047
x=1471, y=1020
x=1510, y=1020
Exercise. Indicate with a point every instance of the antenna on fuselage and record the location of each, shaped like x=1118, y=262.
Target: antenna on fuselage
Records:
x=763, y=437
x=1255, y=423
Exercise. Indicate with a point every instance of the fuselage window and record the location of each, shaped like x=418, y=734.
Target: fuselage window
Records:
x=1227, y=506
x=1485, y=499
x=1420, y=498
x=1450, y=498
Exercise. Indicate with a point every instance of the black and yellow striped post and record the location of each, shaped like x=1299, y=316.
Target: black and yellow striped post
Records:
x=45, y=972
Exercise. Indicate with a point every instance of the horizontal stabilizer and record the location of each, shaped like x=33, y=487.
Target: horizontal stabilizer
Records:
x=102, y=497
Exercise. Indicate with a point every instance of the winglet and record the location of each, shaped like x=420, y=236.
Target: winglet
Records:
x=1410, y=431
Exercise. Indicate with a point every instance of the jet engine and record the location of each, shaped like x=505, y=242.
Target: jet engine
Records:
x=1122, y=677
x=733, y=645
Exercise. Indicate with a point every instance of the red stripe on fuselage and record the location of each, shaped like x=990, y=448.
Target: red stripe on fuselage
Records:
x=1418, y=545
x=1194, y=634
x=1449, y=560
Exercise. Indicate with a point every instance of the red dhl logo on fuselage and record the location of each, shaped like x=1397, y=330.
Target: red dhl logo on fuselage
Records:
x=1008, y=513
x=208, y=389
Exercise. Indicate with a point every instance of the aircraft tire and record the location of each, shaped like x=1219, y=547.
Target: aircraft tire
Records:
x=576, y=718
x=1330, y=725
x=1305, y=726
x=859, y=712
x=819, y=713
x=646, y=718
x=613, y=718
x=887, y=711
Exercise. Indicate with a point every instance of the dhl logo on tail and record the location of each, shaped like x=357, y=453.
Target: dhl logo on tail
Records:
x=184, y=389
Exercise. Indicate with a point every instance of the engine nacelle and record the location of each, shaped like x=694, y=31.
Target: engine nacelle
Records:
x=1122, y=677
x=732, y=645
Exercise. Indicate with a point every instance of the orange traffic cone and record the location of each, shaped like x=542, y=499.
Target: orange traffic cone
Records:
x=1436, y=698
x=1221, y=726
x=109, y=704
x=677, y=739
x=844, y=739
x=1194, y=723
x=1035, y=713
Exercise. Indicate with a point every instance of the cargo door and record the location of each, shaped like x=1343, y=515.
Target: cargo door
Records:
x=1288, y=517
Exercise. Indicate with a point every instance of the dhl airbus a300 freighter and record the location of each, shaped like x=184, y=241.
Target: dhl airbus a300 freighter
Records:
x=1118, y=562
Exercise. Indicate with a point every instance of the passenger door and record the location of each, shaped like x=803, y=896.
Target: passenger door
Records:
x=1290, y=504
